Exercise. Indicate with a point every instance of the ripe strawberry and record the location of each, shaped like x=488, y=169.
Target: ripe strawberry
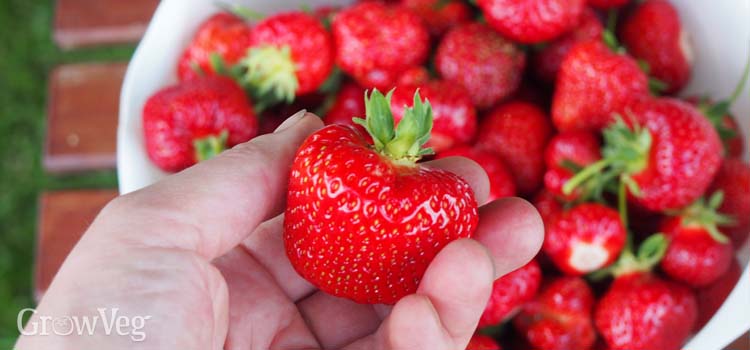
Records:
x=607, y=4
x=363, y=222
x=531, y=21
x=559, y=318
x=291, y=54
x=725, y=124
x=510, y=292
x=518, y=132
x=453, y=116
x=347, y=105
x=567, y=153
x=653, y=33
x=414, y=76
x=593, y=83
x=440, y=15
x=712, y=297
x=585, y=238
x=547, y=61
x=548, y=206
x=482, y=342
x=643, y=312
x=376, y=42
x=195, y=120
x=487, y=65
x=501, y=180
x=733, y=179
x=223, y=34
x=698, y=252
x=667, y=157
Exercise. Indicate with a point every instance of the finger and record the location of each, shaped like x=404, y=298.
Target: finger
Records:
x=458, y=282
x=512, y=231
x=337, y=321
x=213, y=205
x=413, y=324
x=468, y=170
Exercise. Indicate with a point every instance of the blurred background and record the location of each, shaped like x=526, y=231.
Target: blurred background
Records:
x=44, y=54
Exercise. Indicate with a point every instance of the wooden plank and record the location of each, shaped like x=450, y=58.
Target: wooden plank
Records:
x=63, y=218
x=82, y=113
x=742, y=343
x=96, y=22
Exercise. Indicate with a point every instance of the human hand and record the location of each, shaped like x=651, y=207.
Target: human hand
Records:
x=201, y=253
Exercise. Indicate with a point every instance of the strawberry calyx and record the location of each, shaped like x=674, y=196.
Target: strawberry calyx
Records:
x=209, y=146
x=403, y=143
x=649, y=254
x=705, y=214
x=269, y=75
x=625, y=153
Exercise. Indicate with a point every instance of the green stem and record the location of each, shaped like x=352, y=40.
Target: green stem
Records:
x=622, y=203
x=741, y=85
x=584, y=175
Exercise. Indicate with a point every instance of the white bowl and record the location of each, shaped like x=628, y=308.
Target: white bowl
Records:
x=720, y=32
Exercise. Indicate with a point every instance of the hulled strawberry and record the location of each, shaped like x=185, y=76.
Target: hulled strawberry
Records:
x=510, y=292
x=440, y=15
x=698, y=252
x=547, y=62
x=666, y=158
x=733, y=179
x=643, y=312
x=565, y=154
x=501, y=180
x=607, y=4
x=453, y=116
x=290, y=54
x=531, y=21
x=518, y=132
x=482, y=342
x=376, y=42
x=559, y=318
x=222, y=34
x=195, y=120
x=487, y=65
x=364, y=221
x=585, y=238
x=347, y=105
x=653, y=33
x=711, y=297
x=593, y=83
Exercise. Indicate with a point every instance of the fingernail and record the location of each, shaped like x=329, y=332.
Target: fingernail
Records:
x=289, y=122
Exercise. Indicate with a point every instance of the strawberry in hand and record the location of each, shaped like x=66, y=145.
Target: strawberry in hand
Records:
x=196, y=120
x=364, y=221
x=290, y=54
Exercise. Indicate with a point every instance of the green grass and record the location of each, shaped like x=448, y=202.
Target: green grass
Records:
x=27, y=54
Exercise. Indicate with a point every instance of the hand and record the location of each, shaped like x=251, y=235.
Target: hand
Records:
x=201, y=253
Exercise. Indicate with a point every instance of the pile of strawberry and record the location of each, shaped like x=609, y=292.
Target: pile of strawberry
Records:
x=643, y=194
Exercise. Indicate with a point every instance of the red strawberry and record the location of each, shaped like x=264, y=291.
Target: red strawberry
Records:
x=531, y=21
x=291, y=54
x=698, y=252
x=734, y=180
x=712, y=297
x=607, y=4
x=510, y=292
x=643, y=312
x=547, y=61
x=349, y=103
x=501, y=180
x=487, y=65
x=565, y=153
x=223, y=34
x=559, y=318
x=414, y=76
x=454, y=117
x=363, y=222
x=518, y=132
x=667, y=158
x=376, y=42
x=548, y=206
x=593, y=83
x=195, y=120
x=725, y=124
x=440, y=15
x=654, y=34
x=482, y=342
x=584, y=239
